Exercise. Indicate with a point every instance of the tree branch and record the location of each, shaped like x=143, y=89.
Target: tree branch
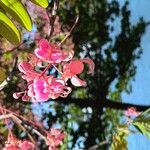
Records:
x=52, y=17
x=107, y=103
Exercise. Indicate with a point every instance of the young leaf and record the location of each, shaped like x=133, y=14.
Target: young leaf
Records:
x=42, y=3
x=142, y=123
x=8, y=29
x=142, y=128
x=17, y=10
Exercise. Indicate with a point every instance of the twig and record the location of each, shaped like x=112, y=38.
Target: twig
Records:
x=95, y=147
x=20, y=122
x=18, y=45
x=6, y=82
x=75, y=23
x=22, y=118
x=15, y=48
x=52, y=18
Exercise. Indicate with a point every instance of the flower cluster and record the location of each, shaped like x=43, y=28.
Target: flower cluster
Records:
x=131, y=112
x=43, y=85
x=54, y=138
x=15, y=144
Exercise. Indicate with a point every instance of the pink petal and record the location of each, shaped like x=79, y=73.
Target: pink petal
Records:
x=39, y=88
x=17, y=95
x=77, y=82
x=67, y=90
x=25, y=67
x=26, y=145
x=68, y=55
x=25, y=98
x=44, y=44
x=76, y=67
x=131, y=112
x=90, y=63
x=42, y=53
x=53, y=95
x=56, y=57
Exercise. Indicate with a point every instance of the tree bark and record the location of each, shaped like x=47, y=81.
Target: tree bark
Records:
x=107, y=103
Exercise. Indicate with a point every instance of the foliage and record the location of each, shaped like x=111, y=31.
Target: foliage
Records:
x=18, y=12
x=142, y=123
x=119, y=139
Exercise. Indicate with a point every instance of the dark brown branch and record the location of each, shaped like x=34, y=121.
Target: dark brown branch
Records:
x=72, y=28
x=98, y=145
x=101, y=103
x=52, y=17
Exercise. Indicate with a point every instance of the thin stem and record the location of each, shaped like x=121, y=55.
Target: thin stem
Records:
x=19, y=122
x=52, y=18
x=98, y=145
x=47, y=67
x=40, y=135
x=6, y=82
x=23, y=118
x=75, y=23
x=15, y=48
x=57, y=69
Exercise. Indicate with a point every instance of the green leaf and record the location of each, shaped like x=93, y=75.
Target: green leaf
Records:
x=143, y=128
x=119, y=138
x=17, y=10
x=42, y=3
x=8, y=29
x=142, y=123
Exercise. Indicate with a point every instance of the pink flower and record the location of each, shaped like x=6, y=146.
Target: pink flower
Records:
x=55, y=138
x=39, y=87
x=26, y=145
x=27, y=69
x=132, y=112
x=57, y=88
x=74, y=68
x=51, y=53
x=15, y=144
x=43, y=89
x=42, y=85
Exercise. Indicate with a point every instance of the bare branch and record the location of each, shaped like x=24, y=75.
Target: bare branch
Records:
x=98, y=104
x=52, y=17
x=9, y=78
x=98, y=145
x=75, y=23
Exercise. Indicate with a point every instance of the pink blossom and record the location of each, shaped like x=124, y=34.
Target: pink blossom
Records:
x=24, y=95
x=55, y=138
x=76, y=67
x=131, y=112
x=43, y=89
x=28, y=71
x=26, y=145
x=41, y=85
x=15, y=144
x=51, y=53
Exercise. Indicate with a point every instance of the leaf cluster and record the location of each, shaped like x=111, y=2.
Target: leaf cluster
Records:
x=15, y=10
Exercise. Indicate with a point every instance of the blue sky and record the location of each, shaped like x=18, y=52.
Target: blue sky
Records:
x=141, y=90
